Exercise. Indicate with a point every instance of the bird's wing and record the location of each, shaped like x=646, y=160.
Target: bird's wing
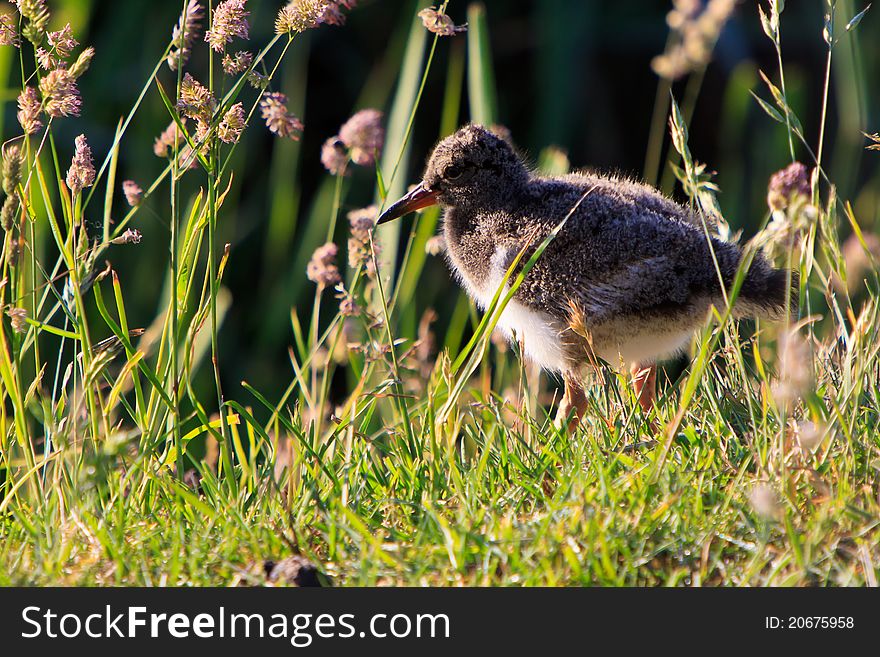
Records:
x=633, y=264
x=636, y=194
x=653, y=285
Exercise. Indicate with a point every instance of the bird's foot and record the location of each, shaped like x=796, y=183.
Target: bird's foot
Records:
x=572, y=406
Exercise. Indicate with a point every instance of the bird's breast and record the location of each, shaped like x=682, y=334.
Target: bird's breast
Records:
x=538, y=331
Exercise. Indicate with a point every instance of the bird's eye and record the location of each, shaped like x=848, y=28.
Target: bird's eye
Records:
x=452, y=172
x=458, y=174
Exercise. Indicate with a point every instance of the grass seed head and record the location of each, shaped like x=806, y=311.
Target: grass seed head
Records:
x=47, y=59
x=348, y=307
x=362, y=222
x=334, y=155
x=133, y=193
x=36, y=17
x=257, y=80
x=435, y=245
x=237, y=63
x=696, y=33
x=130, y=236
x=809, y=435
x=184, y=35
x=301, y=15
x=12, y=161
x=9, y=213
x=439, y=23
x=82, y=63
x=795, y=373
x=60, y=93
x=195, y=101
x=165, y=143
x=765, y=502
x=29, y=111
x=233, y=123
x=62, y=41
x=322, y=268
x=229, y=21
x=18, y=319
x=364, y=136
x=81, y=173
x=787, y=186
x=9, y=31
x=273, y=108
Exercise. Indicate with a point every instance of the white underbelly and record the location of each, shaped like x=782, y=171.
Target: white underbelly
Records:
x=646, y=347
x=540, y=337
x=536, y=330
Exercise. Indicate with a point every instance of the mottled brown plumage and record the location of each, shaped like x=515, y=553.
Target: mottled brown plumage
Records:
x=628, y=279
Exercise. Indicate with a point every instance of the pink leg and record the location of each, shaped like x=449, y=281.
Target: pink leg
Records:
x=645, y=382
x=575, y=400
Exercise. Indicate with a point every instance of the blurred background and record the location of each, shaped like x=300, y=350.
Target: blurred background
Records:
x=575, y=74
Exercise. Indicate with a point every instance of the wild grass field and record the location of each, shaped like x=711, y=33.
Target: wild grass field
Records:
x=210, y=359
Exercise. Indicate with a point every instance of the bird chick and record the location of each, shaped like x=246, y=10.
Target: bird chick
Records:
x=628, y=278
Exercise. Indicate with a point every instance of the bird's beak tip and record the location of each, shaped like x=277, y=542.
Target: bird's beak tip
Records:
x=421, y=196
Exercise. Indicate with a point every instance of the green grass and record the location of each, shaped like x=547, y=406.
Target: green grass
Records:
x=406, y=451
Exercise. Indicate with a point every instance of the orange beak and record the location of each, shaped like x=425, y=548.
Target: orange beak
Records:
x=421, y=196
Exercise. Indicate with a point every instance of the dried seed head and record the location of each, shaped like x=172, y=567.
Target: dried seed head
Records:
x=29, y=111
x=12, y=161
x=82, y=63
x=765, y=502
x=195, y=101
x=62, y=41
x=47, y=59
x=165, y=143
x=435, y=245
x=439, y=23
x=237, y=63
x=184, y=34
x=859, y=252
x=334, y=156
x=230, y=128
x=187, y=158
x=809, y=435
x=60, y=93
x=695, y=35
x=9, y=31
x=301, y=15
x=81, y=173
x=364, y=135
x=273, y=108
x=682, y=12
x=787, y=186
x=130, y=236
x=297, y=17
x=348, y=307
x=362, y=222
x=18, y=319
x=322, y=266
x=9, y=213
x=360, y=254
x=228, y=21
x=257, y=80
x=133, y=192
x=37, y=18
x=795, y=374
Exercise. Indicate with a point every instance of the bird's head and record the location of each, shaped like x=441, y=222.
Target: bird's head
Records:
x=473, y=168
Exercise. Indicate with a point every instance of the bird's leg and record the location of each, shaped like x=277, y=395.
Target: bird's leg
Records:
x=645, y=383
x=574, y=399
